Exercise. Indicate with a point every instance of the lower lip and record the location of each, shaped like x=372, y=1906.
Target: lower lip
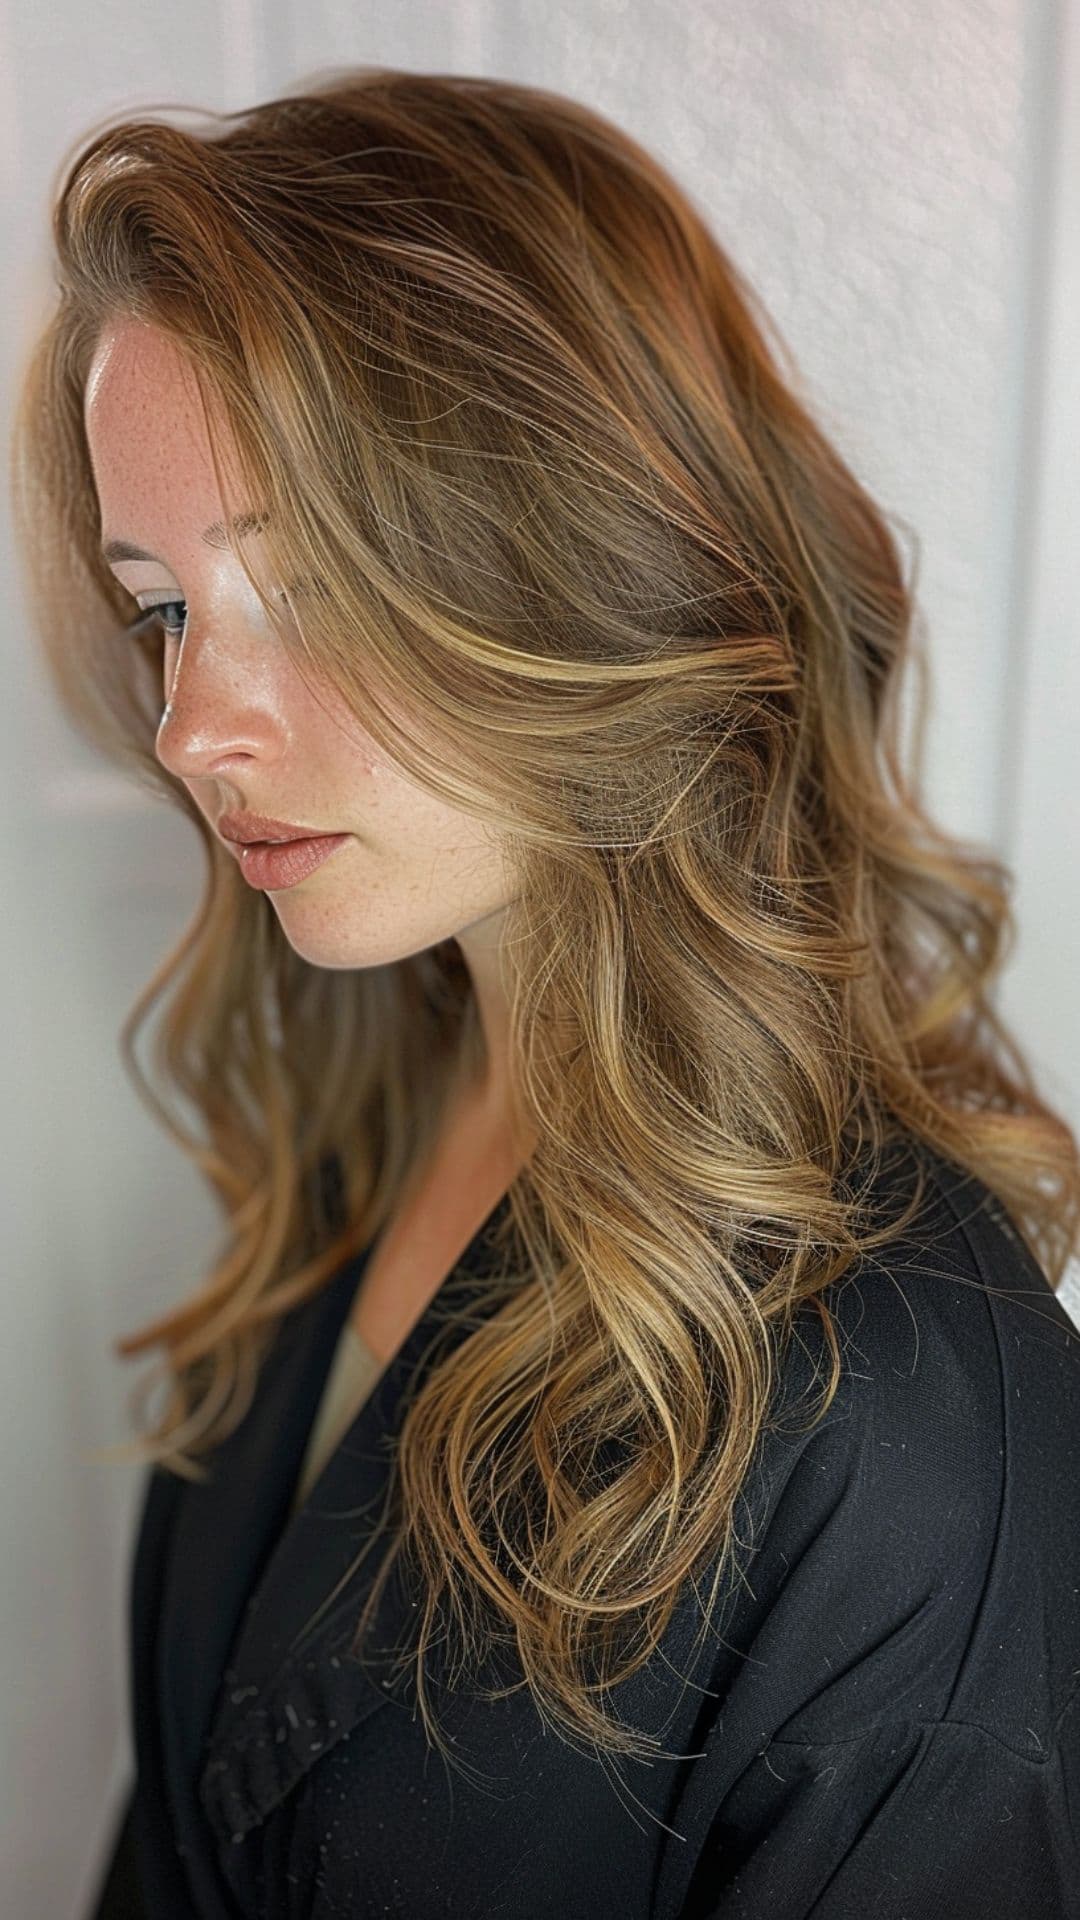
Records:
x=265, y=865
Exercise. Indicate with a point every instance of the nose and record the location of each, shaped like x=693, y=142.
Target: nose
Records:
x=220, y=711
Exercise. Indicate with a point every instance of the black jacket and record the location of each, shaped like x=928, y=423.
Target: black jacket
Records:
x=885, y=1723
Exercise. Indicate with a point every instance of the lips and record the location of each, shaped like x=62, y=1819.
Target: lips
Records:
x=263, y=865
x=246, y=829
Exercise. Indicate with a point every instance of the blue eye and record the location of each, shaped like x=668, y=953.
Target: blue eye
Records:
x=156, y=612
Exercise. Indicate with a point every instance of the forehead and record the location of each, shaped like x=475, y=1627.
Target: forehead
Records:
x=146, y=432
x=134, y=366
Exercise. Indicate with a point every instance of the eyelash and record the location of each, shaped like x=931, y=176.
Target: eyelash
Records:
x=153, y=612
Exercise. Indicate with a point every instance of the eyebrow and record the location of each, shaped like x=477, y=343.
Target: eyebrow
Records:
x=215, y=535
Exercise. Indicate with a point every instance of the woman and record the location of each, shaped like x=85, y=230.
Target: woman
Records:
x=635, y=1338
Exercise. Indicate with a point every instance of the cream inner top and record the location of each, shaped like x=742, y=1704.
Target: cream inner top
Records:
x=353, y=1373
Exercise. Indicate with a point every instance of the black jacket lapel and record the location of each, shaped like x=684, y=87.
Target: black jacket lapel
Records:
x=290, y=1688
x=201, y=1551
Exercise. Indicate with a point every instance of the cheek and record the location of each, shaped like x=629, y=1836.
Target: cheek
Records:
x=410, y=820
x=335, y=739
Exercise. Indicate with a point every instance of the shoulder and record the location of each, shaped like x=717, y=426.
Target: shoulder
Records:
x=916, y=1552
x=940, y=1333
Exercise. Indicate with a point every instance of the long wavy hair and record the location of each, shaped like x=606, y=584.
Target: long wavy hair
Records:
x=572, y=545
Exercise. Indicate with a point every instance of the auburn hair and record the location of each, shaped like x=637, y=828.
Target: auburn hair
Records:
x=547, y=471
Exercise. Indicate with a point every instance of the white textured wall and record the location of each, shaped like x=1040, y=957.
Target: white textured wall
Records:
x=893, y=180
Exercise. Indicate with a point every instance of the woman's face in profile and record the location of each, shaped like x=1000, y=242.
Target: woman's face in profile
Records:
x=240, y=727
